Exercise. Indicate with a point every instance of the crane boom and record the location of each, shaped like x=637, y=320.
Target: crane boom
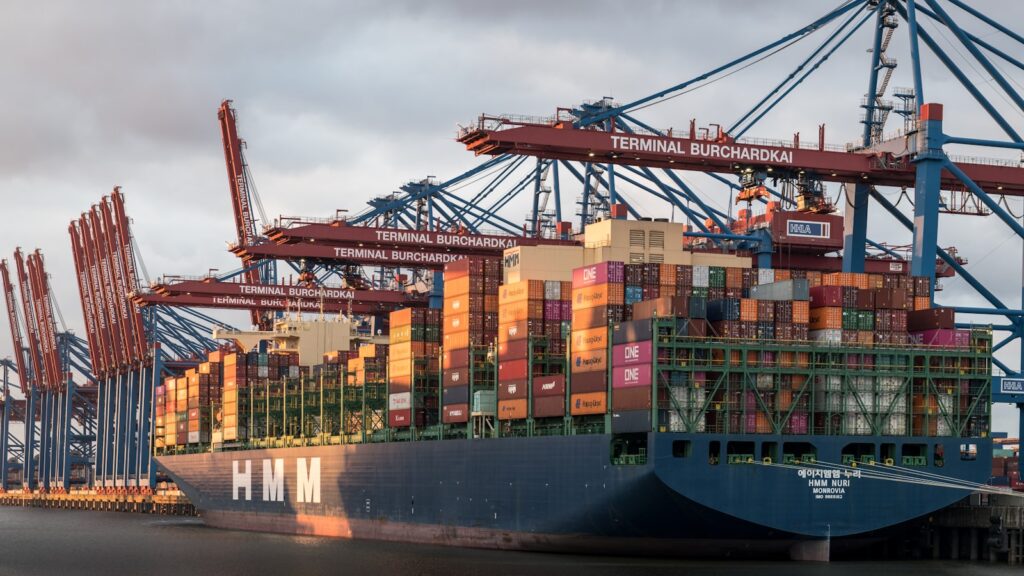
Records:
x=241, y=199
x=12, y=319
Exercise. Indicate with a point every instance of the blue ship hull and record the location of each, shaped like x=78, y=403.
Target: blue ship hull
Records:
x=564, y=493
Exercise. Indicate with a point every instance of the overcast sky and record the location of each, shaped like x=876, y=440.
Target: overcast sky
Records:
x=342, y=101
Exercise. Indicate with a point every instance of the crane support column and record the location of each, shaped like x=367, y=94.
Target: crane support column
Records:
x=855, y=217
x=855, y=224
x=5, y=430
x=929, y=162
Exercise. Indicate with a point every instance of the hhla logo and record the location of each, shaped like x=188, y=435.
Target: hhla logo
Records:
x=307, y=480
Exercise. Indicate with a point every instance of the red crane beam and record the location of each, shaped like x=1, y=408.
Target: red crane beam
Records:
x=245, y=222
x=418, y=257
x=107, y=287
x=89, y=311
x=12, y=320
x=101, y=307
x=31, y=325
x=46, y=326
x=125, y=309
x=130, y=273
x=267, y=303
x=341, y=234
x=560, y=140
x=212, y=287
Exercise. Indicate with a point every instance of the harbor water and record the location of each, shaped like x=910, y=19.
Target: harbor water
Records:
x=38, y=542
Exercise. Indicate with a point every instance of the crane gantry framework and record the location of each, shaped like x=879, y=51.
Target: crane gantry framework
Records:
x=131, y=349
x=57, y=412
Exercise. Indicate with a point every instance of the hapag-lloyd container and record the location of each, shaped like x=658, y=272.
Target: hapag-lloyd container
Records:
x=589, y=403
x=590, y=339
x=589, y=361
x=943, y=337
x=633, y=353
x=631, y=376
x=602, y=273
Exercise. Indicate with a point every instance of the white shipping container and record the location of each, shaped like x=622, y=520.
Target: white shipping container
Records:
x=833, y=383
x=263, y=372
x=765, y=382
x=400, y=401
x=765, y=275
x=862, y=383
x=826, y=336
x=856, y=424
x=193, y=437
x=889, y=383
x=895, y=425
x=552, y=289
x=701, y=276
x=293, y=371
x=828, y=401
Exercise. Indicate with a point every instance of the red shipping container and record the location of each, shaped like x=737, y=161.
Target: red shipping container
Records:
x=931, y=319
x=588, y=382
x=455, y=414
x=513, y=369
x=548, y=406
x=553, y=385
x=632, y=376
x=400, y=418
x=632, y=353
x=513, y=350
x=826, y=296
x=513, y=389
x=455, y=358
x=943, y=338
x=631, y=399
x=455, y=377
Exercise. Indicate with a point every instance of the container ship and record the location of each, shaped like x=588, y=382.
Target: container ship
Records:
x=635, y=393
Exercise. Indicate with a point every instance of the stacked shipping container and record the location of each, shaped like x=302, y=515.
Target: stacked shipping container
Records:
x=598, y=299
x=531, y=348
x=470, y=327
x=413, y=363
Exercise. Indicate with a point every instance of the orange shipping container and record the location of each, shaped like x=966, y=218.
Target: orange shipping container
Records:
x=452, y=341
x=734, y=278
x=591, y=339
x=519, y=291
x=590, y=403
x=748, y=308
x=401, y=317
x=922, y=303
x=813, y=278
x=512, y=409
x=521, y=310
x=801, y=312
x=782, y=274
x=826, y=318
x=865, y=337
x=598, y=295
x=456, y=287
x=589, y=361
